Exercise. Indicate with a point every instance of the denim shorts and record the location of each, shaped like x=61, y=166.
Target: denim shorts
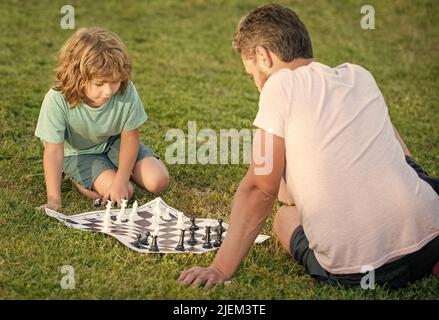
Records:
x=85, y=168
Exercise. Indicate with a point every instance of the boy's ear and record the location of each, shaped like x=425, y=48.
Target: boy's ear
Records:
x=264, y=57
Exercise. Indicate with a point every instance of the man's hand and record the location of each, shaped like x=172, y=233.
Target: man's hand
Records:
x=197, y=276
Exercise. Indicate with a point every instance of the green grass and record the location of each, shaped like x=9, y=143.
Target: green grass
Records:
x=185, y=70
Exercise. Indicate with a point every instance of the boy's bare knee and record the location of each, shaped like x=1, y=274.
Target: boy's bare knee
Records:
x=158, y=184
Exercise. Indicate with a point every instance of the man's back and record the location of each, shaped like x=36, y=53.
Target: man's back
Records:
x=360, y=203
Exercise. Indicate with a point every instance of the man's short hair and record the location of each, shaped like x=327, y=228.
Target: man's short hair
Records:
x=276, y=28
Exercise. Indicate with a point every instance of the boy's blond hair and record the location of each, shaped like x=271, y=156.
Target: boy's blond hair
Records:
x=91, y=53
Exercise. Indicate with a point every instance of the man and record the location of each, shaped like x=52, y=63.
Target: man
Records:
x=352, y=199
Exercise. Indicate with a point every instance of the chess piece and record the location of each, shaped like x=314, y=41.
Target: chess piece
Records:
x=133, y=212
x=107, y=217
x=180, y=222
x=218, y=240
x=121, y=213
x=207, y=241
x=144, y=241
x=193, y=226
x=122, y=210
x=192, y=241
x=97, y=202
x=180, y=245
x=219, y=229
x=137, y=242
x=154, y=247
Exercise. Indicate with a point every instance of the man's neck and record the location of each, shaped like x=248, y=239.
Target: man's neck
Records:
x=294, y=64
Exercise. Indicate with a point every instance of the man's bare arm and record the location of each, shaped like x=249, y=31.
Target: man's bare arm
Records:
x=252, y=204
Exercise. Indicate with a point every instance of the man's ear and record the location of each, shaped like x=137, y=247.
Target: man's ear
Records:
x=263, y=55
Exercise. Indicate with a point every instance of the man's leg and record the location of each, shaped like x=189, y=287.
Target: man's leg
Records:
x=283, y=195
x=286, y=221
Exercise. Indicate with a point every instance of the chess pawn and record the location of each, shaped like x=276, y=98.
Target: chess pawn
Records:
x=207, y=241
x=180, y=245
x=154, y=247
x=107, y=217
x=133, y=212
x=137, y=242
x=122, y=210
x=144, y=241
x=192, y=241
x=218, y=241
x=193, y=225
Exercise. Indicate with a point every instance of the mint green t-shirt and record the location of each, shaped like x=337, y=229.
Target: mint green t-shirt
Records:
x=86, y=130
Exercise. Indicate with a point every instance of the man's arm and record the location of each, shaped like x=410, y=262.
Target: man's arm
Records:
x=252, y=205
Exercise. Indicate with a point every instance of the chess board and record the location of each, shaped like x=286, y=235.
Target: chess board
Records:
x=142, y=221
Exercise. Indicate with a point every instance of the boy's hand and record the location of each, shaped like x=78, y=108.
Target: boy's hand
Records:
x=197, y=276
x=119, y=190
x=53, y=205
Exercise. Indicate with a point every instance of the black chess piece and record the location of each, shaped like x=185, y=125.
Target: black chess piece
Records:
x=218, y=240
x=137, y=242
x=154, y=247
x=144, y=240
x=192, y=241
x=219, y=229
x=180, y=245
x=193, y=225
x=207, y=241
x=97, y=202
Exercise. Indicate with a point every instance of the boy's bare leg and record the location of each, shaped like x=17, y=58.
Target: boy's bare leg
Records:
x=401, y=142
x=286, y=220
x=88, y=193
x=151, y=174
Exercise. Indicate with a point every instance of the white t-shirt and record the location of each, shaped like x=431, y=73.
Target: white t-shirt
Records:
x=360, y=203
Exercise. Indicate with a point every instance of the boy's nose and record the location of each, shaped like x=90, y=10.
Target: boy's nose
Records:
x=107, y=91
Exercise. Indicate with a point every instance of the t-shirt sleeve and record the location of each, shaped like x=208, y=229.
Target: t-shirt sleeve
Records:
x=273, y=105
x=51, y=124
x=136, y=112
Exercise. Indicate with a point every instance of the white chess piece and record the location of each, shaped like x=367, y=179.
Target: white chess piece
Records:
x=180, y=222
x=133, y=212
x=121, y=214
x=157, y=210
x=107, y=216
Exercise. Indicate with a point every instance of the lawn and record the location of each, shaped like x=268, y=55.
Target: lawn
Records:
x=186, y=70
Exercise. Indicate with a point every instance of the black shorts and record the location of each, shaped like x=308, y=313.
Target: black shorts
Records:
x=395, y=274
